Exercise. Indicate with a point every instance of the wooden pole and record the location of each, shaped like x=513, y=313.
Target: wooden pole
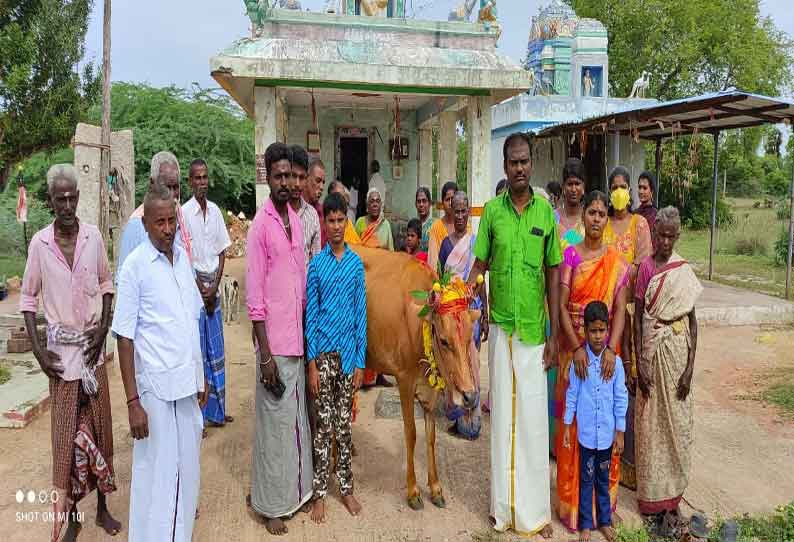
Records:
x=714, y=189
x=104, y=168
x=658, y=171
x=790, y=231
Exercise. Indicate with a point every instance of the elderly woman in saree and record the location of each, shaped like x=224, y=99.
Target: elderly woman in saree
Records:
x=374, y=229
x=591, y=270
x=456, y=256
x=666, y=329
x=630, y=235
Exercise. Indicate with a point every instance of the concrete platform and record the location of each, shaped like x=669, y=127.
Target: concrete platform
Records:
x=723, y=306
x=26, y=394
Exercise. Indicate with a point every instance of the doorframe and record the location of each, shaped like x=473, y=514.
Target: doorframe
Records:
x=352, y=132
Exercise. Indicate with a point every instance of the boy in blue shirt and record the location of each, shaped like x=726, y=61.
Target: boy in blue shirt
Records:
x=600, y=409
x=336, y=342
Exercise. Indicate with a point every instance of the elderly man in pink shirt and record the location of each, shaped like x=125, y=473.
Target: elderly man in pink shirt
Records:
x=282, y=472
x=67, y=271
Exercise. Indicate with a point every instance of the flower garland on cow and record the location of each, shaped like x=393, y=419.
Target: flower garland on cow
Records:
x=449, y=296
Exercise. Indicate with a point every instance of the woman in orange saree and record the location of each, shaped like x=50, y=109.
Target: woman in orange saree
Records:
x=591, y=270
x=630, y=235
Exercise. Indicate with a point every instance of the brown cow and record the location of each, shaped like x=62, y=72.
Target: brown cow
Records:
x=395, y=347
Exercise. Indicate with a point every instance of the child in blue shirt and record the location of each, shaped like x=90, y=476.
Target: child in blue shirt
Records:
x=600, y=409
x=336, y=344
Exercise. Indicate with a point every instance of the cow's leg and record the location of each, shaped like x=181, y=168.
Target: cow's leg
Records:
x=407, y=390
x=436, y=492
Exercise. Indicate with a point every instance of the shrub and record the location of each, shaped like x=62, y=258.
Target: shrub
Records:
x=782, y=209
x=750, y=245
x=781, y=247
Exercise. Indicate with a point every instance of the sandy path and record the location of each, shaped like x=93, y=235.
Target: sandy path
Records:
x=741, y=453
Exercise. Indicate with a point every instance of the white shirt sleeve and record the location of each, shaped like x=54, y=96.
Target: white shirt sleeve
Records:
x=128, y=299
x=221, y=235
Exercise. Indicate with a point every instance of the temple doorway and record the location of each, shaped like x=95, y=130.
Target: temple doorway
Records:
x=353, y=152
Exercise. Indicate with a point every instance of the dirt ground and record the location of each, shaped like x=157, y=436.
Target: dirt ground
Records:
x=742, y=457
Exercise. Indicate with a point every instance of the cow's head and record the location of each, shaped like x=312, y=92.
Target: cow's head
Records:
x=452, y=326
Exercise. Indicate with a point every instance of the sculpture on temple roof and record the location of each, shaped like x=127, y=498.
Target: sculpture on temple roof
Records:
x=258, y=11
x=487, y=16
x=640, y=86
x=289, y=4
x=462, y=12
x=374, y=8
x=587, y=84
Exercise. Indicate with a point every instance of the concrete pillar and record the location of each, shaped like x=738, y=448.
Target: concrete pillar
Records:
x=478, y=153
x=425, y=170
x=447, y=149
x=265, y=133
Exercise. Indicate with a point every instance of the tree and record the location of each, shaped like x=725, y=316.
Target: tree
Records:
x=192, y=124
x=42, y=92
x=692, y=46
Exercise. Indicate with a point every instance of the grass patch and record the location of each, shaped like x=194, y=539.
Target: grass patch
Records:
x=632, y=533
x=775, y=527
x=10, y=266
x=781, y=390
x=5, y=374
x=744, y=254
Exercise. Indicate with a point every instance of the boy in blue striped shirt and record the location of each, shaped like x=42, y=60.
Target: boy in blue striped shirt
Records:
x=600, y=409
x=336, y=341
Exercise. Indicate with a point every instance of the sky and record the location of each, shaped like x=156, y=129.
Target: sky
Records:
x=170, y=42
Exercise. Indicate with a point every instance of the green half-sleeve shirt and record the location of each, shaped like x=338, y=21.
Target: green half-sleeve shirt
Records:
x=517, y=248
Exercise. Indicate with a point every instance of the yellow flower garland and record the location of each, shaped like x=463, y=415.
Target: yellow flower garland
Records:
x=434, y=378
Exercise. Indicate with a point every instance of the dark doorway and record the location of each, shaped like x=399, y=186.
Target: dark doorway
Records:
x=353, y=169
x=593, y=160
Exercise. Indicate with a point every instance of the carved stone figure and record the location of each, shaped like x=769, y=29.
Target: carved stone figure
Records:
x=463, y=11
x=640, y=86
x=258, y=11
x=374, y=8
x=587, y=84
x=488, y=16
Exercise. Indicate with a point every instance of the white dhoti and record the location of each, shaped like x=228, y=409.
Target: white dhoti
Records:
x=520, y=486
x=166, y=472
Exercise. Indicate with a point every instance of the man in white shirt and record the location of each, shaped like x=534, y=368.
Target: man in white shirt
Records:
x=376, y=180
x=208, y=241
x=156, y=324
x=310, y=220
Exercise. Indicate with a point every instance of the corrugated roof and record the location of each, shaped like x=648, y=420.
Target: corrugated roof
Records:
x=707, y=113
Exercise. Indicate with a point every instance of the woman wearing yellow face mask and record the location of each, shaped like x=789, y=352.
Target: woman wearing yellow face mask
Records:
x=630, y=235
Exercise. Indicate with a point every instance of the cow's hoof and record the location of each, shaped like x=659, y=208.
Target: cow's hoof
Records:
x=416, y=502
x=439, y=500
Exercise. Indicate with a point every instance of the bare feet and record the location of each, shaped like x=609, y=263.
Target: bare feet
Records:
x=72, y=529
x=110, y=524
x=318, y=510
x=306, y=508
x=228, y=419
x=204, y=433
x=548, y=531
x=351, y=504
x=275, y=526
x=608, y=532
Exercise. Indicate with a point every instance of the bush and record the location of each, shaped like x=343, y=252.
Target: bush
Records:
x=781, y=247
x=782, y=209
x=750, y=245
x=11, y=237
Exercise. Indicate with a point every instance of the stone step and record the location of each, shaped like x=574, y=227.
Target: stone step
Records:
x=26, y=394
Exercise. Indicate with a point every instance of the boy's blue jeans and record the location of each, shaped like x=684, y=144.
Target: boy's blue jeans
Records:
x=594, y=471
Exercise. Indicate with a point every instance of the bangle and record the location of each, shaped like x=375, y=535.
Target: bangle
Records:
x=130, y=401
x=266, y=363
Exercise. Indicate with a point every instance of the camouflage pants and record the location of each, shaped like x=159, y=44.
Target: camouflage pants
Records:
x=334, y=417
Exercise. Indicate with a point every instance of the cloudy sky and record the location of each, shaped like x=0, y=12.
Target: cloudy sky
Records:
x=170, y=42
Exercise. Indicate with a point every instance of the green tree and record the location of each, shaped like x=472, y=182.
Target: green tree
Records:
x=192, y=124
x=692, y=46
x=43, y=94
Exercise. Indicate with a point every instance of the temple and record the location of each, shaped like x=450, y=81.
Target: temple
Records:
x=569, y=66
x=354, y=88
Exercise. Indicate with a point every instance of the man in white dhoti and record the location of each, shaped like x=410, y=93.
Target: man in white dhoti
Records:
x=517, y=242
x=156, y=323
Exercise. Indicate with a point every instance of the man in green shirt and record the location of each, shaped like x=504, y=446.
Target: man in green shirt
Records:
x=517, y=243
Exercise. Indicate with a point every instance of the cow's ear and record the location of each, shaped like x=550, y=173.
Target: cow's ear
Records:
x=474, y=315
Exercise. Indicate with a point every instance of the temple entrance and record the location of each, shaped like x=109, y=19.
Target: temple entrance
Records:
x=353, y=170
x=593, y=161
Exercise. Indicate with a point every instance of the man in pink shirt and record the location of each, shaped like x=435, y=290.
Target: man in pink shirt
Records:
x=282, y=472
x=67, y=270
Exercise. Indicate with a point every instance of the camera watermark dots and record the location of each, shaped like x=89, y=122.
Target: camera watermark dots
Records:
x=28, y=498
